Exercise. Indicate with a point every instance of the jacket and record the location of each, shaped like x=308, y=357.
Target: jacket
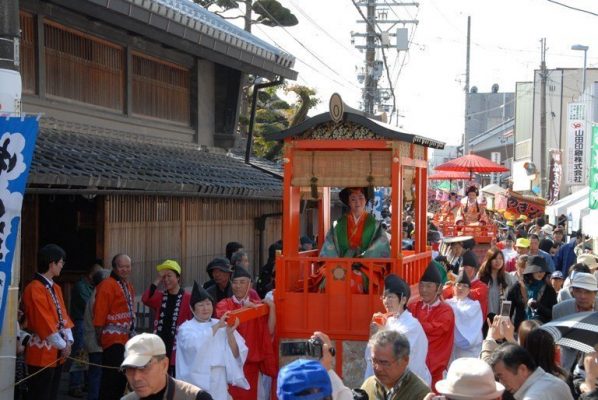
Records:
x=177, y=390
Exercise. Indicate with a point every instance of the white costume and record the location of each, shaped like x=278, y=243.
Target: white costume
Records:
x=410, y=327
x=468, y=327
x=206, y=360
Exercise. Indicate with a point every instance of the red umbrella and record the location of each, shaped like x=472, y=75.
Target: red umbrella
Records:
x=471, y=163
x=448, y=175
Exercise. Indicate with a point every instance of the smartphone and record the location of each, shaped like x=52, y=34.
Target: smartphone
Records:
x=505, y=308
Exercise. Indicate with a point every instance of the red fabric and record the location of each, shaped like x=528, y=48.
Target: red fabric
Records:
x=439, y=324
x=478, y=291
x=355, y=232
x=258, y=340
x=511, y=265
x=155, y=303
x=42, y=321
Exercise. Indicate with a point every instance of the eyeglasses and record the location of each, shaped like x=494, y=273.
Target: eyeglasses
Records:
x=383, y=363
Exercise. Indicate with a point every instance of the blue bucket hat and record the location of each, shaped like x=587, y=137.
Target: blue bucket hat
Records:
x=303, y=380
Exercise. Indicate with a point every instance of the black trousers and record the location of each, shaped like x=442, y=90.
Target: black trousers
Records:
x=43, y=386
x=113, y=381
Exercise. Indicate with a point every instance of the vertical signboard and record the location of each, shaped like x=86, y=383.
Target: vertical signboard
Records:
x=594, y=169
x=576, y=128
x=554, y=176
x=17, y=141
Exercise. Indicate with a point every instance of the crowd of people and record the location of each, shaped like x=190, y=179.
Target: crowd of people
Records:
x=472, y=332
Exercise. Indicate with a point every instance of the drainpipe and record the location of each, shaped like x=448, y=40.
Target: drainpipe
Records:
x=260, y=225
x=256, y=89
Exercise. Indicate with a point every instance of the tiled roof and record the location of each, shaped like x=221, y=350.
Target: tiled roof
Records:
x=67, y=158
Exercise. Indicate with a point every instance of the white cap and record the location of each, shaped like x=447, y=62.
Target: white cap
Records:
x=583, y=280
x=140, y=350
x=470, y=378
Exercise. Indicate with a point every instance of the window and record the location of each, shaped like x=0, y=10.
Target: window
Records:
x=27, y=50
x=83, y=68
x=160, y=89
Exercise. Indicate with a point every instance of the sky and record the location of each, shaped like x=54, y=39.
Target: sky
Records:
x=430, y=77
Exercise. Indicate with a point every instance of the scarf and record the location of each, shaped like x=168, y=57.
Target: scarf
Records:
x=50, y=288
x=128, y=298
x=175, y=314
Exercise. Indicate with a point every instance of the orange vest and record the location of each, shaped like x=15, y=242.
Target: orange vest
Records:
x=111, y=312
x=42, y=321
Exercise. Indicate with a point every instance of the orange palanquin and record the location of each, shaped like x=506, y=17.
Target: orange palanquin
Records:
x=336, y=149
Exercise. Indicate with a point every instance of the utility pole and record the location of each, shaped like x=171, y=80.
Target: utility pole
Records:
x=10, y=104
x=466, y=88
x=543, y=76
x=377, y=15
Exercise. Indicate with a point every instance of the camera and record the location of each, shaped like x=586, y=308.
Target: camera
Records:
x=312, y=348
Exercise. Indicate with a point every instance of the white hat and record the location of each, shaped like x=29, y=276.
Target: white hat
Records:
x=583, y=280
x=588, y=259
x=140, y=349
x=470, y=378
x=547, y=229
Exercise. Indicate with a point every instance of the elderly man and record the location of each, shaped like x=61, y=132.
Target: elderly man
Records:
x=584, y=288
x=438, y=321
x=392, y=379
x=146, y=368
x=256, y=332
x=114, y=321
x=517, y=371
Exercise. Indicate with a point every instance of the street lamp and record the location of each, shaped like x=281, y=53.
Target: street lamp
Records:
x=583, y=48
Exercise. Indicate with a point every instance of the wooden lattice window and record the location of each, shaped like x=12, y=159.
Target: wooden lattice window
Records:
x=83, y=68
x=27, y=50
x=160, y=89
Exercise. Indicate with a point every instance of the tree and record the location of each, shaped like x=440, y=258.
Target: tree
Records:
x=274, y=114
x=269, y=12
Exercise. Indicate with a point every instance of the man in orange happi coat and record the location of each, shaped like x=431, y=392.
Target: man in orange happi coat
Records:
x=438, y=321
x=49, y=324
x=256, y=332
x=114, y=321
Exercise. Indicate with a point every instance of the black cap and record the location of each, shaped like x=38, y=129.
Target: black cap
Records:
x=199, y=294
x=535, y=264
x=394, y=284
x=221, y=264
x=346, y=192
x=431, y=274
x=470, y=260
x=463, y=278
x=240, y=272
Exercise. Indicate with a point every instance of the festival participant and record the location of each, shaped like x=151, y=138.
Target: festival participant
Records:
x=451, y=208
x=457, y=247
x=256, y=333
x=478, y=289
x=49, y=325
x=395, y=298
x=220, y=271
x=438, y=321
x=170, y=306
x=468, y=319
x=114, y=321
x=472, y=213
x=356, y=234
x=211, y=353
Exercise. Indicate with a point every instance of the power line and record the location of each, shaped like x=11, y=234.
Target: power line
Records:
x=573, y=8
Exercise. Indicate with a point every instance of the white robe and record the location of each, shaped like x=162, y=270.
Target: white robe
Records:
x=206, y=360
x=410, y=327
x=468, y=327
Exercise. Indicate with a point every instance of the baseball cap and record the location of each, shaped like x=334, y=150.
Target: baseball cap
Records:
x=522, y=242
x=557, y=275
x=140, y=349
x=171, y=265
x=583, y=280
x=303, y=380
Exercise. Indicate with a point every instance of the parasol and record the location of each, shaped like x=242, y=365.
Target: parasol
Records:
x=578, y=331
x=471, y=163
x=448, y=176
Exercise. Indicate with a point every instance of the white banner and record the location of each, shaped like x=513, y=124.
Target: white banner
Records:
x=576, y=146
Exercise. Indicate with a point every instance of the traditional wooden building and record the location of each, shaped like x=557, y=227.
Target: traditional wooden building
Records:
x=139, y=103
